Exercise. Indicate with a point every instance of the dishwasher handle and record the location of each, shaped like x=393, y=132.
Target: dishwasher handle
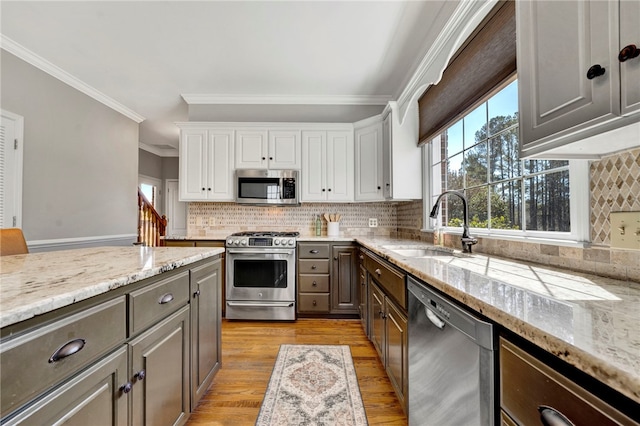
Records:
x=435, y=320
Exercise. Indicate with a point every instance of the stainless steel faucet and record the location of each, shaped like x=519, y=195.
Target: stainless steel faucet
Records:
x=467, y=239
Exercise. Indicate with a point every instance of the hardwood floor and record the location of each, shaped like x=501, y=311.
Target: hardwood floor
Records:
x=249, y=352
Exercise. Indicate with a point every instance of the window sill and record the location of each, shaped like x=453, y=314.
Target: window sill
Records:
x=523, y=239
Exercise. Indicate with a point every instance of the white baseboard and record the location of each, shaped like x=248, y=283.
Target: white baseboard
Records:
x=81, y=242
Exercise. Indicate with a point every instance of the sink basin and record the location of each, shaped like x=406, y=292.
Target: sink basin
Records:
x=421, y=252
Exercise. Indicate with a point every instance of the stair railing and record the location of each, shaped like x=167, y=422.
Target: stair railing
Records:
x=151, y=226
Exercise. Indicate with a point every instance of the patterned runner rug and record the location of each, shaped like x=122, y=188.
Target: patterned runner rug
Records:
x=313, y=385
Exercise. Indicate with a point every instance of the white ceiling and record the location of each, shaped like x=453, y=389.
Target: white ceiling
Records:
x=145, y=54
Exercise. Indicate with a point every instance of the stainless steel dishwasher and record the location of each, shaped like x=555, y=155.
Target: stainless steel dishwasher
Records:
x=451, y=363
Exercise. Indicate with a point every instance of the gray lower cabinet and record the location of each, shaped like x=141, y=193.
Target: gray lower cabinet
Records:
x=363, y=284
x=160, y=372
x=91, y=398
x=206, y=315
x=344, y=280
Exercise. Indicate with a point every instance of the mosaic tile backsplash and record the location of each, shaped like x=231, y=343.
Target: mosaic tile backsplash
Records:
x=614, y=183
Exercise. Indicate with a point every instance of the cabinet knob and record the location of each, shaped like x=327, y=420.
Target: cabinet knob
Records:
x=315, y=303
x=208, y=189
x=126, y=388
x=595, y=71
x=196, y=293
x=361, y=257
x=203, y=189
x=329, y=190
x=140, y=375
x=264, y=158
x=314, y=284
x=270, y=158
x=314, y=267
x=379, y=188
x=378, y=272
x=628, y=52
x=335, y=257
x=323, y=189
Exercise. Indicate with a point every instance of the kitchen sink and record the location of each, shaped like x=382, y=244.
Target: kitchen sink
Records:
x=421, y=251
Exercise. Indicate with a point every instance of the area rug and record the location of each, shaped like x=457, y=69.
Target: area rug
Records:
x=313, y=385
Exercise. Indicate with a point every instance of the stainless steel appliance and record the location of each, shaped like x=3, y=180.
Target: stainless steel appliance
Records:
x=267, y=187
x=261, y=275
x=451, y=362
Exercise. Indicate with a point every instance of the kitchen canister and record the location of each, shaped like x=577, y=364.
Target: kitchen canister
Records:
x=333, y=229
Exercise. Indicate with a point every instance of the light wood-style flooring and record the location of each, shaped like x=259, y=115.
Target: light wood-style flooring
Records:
x=249, y=352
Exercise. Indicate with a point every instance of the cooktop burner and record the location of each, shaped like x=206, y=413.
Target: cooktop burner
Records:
x=266, y=234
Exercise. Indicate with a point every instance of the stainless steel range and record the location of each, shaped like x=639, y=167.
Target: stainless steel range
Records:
x=261, y=275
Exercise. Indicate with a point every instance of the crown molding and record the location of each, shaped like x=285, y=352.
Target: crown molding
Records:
x=460, y=25
x=39, y=62
x=212, y=99
x=160, y=152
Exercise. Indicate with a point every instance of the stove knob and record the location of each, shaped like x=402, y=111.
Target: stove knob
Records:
x=229, y=242
x=277, y=242
x=236, y=242
x=244, y=242
x=291, y=242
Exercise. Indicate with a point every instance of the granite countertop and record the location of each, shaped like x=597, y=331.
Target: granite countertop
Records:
x=33, y=284
x=591, y=322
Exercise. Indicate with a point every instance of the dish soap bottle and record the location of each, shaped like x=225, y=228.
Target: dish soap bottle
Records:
x=318, y=226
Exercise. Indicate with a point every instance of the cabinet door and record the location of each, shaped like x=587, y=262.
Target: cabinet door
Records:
x=91, y=398
x=251, y=149
x=193, y=165
x=161, y=397
x=630, y=69
x=285, y=149
x=558, y=42
x=205, y=282
x=376, y=310
x=368, y=167
x=397, y=350
x=339, y=166
x=220, y=166
x=387, y=192
x=314, y=162
x=344, y=280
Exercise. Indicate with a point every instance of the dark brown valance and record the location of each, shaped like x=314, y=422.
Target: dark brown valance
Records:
x=486, y=59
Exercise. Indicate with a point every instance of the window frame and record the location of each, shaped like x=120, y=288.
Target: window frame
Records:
x=578, y=200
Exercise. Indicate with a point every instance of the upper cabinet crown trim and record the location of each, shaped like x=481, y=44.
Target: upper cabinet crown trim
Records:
x=213, y=99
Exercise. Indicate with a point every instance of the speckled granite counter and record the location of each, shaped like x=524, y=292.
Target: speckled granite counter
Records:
x=591, y=322
x=33, y=284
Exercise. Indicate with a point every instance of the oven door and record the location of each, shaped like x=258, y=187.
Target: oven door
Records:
x=260, y=275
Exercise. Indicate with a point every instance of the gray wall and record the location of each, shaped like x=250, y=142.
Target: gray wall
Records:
x=80, y=157
x=170, y=167
x=149, y=164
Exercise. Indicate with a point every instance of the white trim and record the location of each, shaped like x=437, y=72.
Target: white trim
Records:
x=19, y=157
x=579, y=201
x=368, y=121
x=160, y=152
x=263, y=125
x=211, y=99
x=461, y=24
x=81, y=242
x=57, y=72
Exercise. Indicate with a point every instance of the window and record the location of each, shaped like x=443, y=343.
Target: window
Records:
x=479, y=156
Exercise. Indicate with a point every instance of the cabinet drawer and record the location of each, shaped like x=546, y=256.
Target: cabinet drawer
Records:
x=313, y=251
x=313, y=266
x=27, y=362
x=313, y=303
x=526, y=384
x=313, y=283
x=390, y=279
x=155, y=301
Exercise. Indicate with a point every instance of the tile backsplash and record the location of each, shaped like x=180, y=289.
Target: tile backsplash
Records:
x=233, y=217
x=614, y=186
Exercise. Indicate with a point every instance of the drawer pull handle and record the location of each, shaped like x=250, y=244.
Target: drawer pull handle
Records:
x=140, y=375
x=378, y=271
x=68, y=349
x=126, y=388
x=315, y=303
x=165, y=298
x=551, y=417
x=313, y=251
x=314, y=267
x=628, y=52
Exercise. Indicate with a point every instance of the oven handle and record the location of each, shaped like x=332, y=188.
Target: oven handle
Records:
x=260, y=252
x=269, y=305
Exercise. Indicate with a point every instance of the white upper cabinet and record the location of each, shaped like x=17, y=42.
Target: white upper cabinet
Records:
x=368, y=155
x=572, y=86
x=327, y=165
x=268, y=149
x=206, y=157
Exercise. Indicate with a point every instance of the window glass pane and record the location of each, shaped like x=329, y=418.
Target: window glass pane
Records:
x=475, y=126
x=503, y=157
x=547, y=202
x=436, y=147
x=453, y=211
x=503, y=108
x=455, y=175
x=506, y=205
x=478, y=207
x=475, y=165
x=454, y=139
x=438, y=179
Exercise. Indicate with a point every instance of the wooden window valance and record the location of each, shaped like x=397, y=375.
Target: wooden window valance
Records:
x=486, y=59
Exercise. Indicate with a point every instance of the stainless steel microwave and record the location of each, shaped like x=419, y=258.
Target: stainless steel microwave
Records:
x=267, y=187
